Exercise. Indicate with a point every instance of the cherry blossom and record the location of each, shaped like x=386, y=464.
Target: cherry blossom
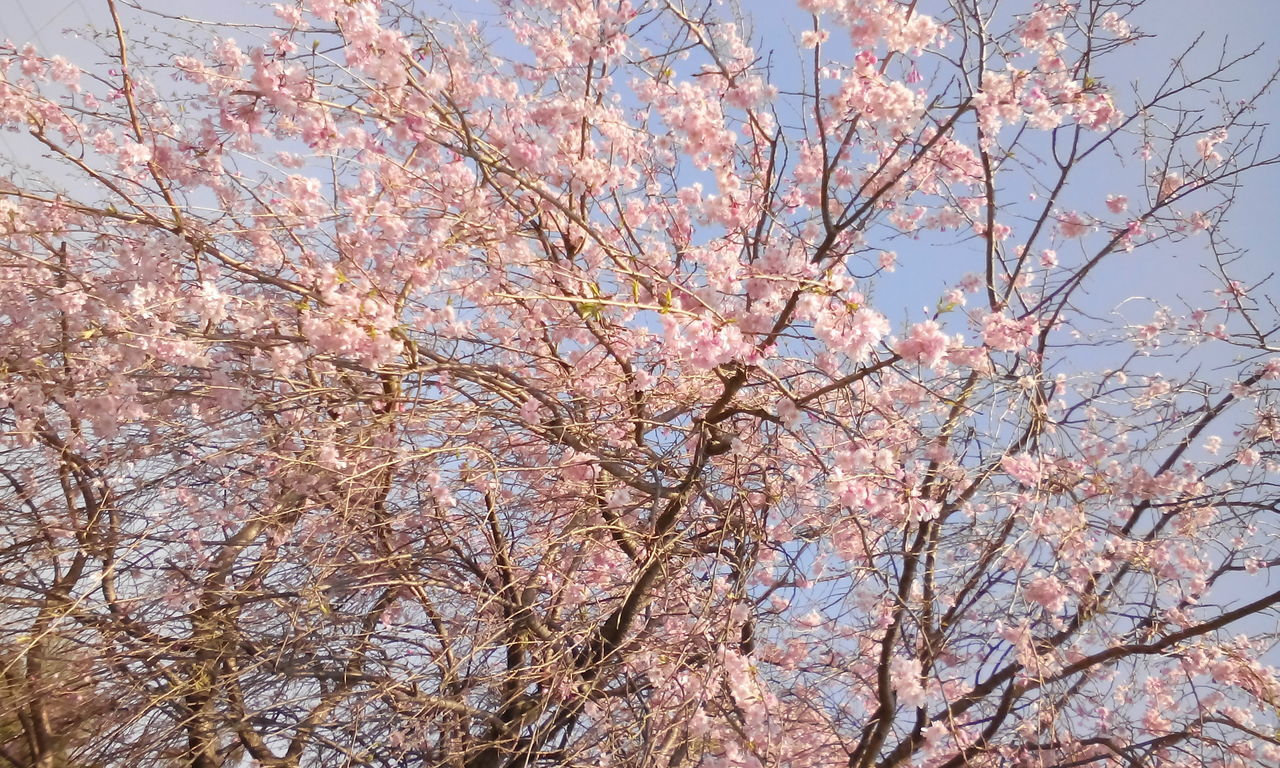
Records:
x=562, y=382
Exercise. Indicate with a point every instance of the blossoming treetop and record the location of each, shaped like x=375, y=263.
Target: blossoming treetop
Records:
x=387, y=391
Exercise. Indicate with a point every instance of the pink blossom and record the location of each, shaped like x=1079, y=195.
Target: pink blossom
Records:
x=811, y=38
x=1048, y=592
x=811, y=620
x=1113, y=23
x=1169, y=184
x=132, y=153
x=1248, y=457
x=905, y=674
x=1023, y=468
x=289, y=14
x=1072, y=224
x=1205, y=146
x=925, y=344
x=63, y=71
x=1006, y=334
x=935, y=735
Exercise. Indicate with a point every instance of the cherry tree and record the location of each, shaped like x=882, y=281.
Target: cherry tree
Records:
x=545, y=383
